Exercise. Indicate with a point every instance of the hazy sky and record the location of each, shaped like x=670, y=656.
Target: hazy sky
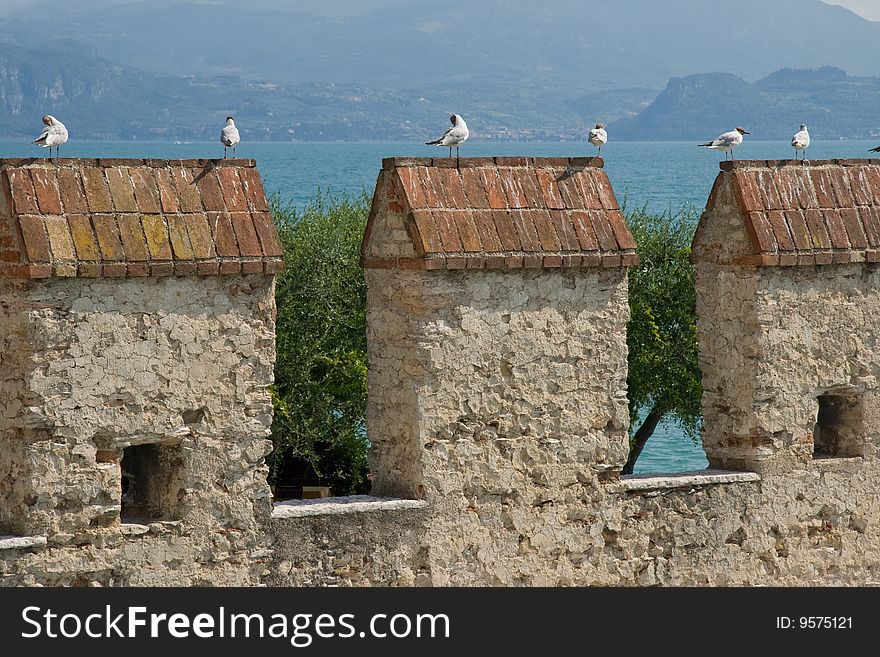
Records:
x=870, y=9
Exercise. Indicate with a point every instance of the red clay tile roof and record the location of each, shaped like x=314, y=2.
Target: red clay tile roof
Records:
x=121, y=217
x=503, y=212
x=821, y=212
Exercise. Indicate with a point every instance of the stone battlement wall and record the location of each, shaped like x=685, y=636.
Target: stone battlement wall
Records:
x=497, y=412
x=137, y=343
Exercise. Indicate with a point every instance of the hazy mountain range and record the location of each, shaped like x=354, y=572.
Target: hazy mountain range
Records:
x=172, y=69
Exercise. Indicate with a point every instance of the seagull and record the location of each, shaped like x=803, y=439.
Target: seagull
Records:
x=875, y=150
x=454, y=136
x=727, y=142
x=54, y=134
x=801, y=141
x=598, y=136
x=229, y=136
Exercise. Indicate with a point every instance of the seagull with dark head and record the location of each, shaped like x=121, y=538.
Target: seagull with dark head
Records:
x=454, y=136
x=598, y=137
x=727, y=142
x=54, y=134
x=229, y=136
x=801, y=141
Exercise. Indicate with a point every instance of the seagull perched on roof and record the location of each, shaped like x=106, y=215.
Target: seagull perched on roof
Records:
x=54, y=134
x=727, y=141
x=598, y=136
x=229, y=136
x=801, y=141
x=454, y=136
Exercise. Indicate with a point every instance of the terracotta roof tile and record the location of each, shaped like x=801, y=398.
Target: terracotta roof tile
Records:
x=489, y=238
x=854, y=229
x=46, y=188
x=35, y=238
x=523, y=224
x=562, y=224
x=604, y=232
x=83, y=237
x=870, y=219
x=73, y=196
x=167, y=193
x=513, y=191
x=97, y=192
x=583, y=227
x=467, y=232
x=60, y=241
x=494, y=190
x=797, y=226
x=121, y=190
x=233, y=190
x=818, y=230
x=23, y=196
x=453, y=188
x=208, y=184
x=146, y=189
x=136, y=218
x=781, y=233
x=131, y=233
x=507, y=231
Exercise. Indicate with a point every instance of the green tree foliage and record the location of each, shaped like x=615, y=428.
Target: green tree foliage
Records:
x=664, y=375
x=320, y=385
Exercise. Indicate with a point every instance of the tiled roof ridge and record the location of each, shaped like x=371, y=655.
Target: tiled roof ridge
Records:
x=134, y=217
x=821, y=212
x=502, y=213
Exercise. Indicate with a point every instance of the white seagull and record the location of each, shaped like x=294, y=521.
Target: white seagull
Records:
x=801, y=141
x=454, y=136
x=727, y=142
x=598, y=136
x=54, y=134
x=229, y=136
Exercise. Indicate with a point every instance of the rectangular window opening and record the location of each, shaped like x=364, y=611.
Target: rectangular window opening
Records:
x=840, y=426
x=152, y=483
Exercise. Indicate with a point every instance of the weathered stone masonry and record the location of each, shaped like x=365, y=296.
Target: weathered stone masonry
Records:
x=497, y=386
x=497, y=312
x=137, y=342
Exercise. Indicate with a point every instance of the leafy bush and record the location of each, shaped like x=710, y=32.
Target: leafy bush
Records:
x=320, y=385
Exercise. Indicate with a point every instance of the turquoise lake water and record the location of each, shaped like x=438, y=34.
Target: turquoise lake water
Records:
x=659, y=175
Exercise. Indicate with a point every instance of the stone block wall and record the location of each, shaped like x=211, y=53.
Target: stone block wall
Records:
x=791, y=323
x=137, y=344
x=497, y=311
x=134, y=408
x=497, y=388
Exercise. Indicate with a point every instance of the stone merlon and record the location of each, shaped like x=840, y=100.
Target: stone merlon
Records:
x=496, y=213
x=124, y=217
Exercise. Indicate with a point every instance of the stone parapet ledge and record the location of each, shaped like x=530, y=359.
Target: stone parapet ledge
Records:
x=134, y=218
x=342, y=506
x=21, y=542
x=496, y=213
x=635, y=483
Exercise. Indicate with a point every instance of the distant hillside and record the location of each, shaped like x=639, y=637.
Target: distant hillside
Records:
x=97, y=99
x=101, y=100
x=555, y=47
x=832, y=104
